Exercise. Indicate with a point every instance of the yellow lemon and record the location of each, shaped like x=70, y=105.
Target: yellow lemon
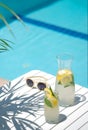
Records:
x=66, y=79
x=53, y=100
x=68, y=71
x=63, y=73
x=58, y=77
x=47, y=92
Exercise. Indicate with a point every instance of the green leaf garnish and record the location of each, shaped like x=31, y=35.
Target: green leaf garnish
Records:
x=52, y=92
x=47, y=102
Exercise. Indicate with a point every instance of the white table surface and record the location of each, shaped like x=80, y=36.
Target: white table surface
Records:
x=21, y=108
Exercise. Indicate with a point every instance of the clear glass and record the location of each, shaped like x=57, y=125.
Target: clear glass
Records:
x=65, y=85
x=51, y=113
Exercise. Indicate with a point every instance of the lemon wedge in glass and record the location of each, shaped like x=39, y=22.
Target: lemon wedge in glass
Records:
x=51, y=99
x=65, y=77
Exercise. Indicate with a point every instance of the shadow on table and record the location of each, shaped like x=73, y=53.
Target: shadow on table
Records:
x=79, y=98
x=62, y=118
x=14, y=109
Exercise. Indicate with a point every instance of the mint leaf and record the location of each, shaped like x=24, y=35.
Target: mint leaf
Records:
x=47, y=102
x=52, y=92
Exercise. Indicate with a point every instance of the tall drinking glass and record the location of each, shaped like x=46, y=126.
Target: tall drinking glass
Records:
x=51, y=106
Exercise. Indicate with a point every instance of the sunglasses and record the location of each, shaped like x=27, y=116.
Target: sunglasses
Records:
x=36, y=82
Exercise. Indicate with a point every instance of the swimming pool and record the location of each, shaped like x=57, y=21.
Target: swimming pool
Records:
x=53, y=29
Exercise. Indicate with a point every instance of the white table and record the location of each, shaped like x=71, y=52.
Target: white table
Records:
x=21, y=108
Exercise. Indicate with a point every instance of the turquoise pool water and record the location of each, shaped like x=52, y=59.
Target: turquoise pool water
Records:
x=53, y=29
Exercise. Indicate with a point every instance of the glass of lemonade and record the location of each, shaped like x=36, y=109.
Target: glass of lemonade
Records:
x=65, y=85
x=51, y=106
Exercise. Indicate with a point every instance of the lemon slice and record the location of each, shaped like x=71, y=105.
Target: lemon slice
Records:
x=65, y=77
x=50, y=99
x=47, y=92
x=54, y=101
x=63, y=73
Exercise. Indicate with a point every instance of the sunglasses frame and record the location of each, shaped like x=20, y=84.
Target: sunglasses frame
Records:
x=41, y=79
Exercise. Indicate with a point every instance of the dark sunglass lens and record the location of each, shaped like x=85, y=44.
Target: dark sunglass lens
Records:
x=41, y=86
x=29, y=82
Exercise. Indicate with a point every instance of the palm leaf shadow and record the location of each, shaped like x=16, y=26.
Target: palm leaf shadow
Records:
x=12, y=106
